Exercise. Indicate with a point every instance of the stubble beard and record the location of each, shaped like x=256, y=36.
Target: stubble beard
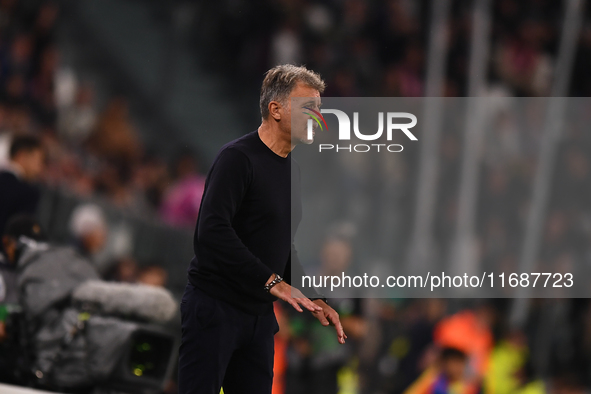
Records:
x=303, y=140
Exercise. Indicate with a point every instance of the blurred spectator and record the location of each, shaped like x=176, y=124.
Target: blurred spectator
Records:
x=152, y=177
x=18, y=60
x=446, y=377
x=521, y=61
x=41, y=88
x=114, y=181
x=89, y=229
x=115, y=137
x=182, y=201
x=420, y=319
x=18, y=194
x=153, y=275
x=78, y=120
x=471, y=332
x=509, y=369
x=124, y=270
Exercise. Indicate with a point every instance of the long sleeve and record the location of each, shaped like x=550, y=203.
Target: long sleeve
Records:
x=243, y=230
x=227, y=185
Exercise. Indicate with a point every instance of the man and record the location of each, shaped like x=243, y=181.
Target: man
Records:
x=17, y=191
x=244, y=246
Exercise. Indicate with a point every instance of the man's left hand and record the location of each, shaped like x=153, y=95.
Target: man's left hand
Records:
x=329, y=316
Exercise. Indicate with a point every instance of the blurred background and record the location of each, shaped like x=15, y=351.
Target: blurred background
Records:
x=112, y=110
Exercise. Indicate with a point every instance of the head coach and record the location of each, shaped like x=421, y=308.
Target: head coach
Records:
x=244, y=253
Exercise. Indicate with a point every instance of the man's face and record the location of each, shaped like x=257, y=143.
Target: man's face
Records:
x=95, y=240
x=32, y=163
x=294, y=120
x=454, y=368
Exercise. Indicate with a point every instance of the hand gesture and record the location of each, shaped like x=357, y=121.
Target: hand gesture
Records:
x=328, y=315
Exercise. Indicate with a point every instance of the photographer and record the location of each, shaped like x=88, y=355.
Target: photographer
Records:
x=18, y=226
x=75, y=330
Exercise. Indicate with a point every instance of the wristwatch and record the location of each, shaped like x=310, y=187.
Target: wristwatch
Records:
x=275, y=281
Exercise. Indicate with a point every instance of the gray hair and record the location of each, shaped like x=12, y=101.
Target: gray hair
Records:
x=280, y=81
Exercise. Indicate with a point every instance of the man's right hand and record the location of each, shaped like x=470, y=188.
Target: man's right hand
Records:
x=293, y=296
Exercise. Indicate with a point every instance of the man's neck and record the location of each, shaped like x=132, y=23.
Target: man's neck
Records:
x=273, y=138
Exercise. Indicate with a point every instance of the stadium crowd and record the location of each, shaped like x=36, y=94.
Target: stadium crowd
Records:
x=89, y=151
x=361, y=49
x=379, y=48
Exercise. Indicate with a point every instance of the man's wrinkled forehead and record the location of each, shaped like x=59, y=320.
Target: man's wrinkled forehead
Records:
x=304, y=91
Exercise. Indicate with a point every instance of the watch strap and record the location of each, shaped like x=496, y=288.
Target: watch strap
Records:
x=278, y=279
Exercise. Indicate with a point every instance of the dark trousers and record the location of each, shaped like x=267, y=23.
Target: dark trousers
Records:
x=224, y=346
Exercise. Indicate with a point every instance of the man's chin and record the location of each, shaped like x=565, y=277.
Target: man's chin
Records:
x=304, y=141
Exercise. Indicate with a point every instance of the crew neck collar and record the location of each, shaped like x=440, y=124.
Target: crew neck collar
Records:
x=275, y=155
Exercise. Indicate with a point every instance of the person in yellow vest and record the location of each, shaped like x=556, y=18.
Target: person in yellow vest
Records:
x=509, y=370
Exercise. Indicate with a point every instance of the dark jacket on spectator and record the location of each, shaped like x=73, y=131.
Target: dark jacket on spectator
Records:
x=16, y=196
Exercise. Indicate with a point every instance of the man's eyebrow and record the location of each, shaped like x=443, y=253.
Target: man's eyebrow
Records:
x=312, y=103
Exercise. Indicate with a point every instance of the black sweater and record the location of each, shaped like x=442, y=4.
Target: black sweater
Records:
x=247, y=221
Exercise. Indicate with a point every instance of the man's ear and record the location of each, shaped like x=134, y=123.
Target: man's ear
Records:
x=275, y=110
